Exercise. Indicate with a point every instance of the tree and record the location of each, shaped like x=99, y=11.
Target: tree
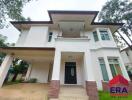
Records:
x=118, y=11
x=2, y=44
x=11, y=9
x=19, y=67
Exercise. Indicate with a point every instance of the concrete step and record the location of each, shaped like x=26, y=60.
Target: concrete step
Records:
x=73, y=98
x=71, y=92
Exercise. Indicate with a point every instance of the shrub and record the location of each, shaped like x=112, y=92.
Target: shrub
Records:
x=32, y=80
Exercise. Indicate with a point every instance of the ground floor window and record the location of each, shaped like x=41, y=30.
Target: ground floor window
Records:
x=103, y=69
x=114, y=66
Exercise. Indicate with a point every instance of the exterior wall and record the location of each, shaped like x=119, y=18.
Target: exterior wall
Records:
x=105, y=53
x=38, y=37
x=79, y=71
x=40, y=71
x=101, y=43
x=22, y=38
x=127, y=59
x=35, y=37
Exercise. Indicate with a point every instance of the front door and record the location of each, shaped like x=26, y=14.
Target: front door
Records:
x=70, y=73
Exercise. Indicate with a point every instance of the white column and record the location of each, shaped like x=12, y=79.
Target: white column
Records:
x=56, y=66
x=28, y=72
x=108, y=68
x=4, y=68
x=88, y=68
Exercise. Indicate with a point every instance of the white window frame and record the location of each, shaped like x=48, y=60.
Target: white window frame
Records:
x=104, y=29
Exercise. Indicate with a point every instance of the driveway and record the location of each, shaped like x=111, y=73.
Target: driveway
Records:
x=24, y=91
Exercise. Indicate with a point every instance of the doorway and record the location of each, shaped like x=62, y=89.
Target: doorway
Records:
x=70, y=73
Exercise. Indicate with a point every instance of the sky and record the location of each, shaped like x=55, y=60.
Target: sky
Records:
x=37, y=11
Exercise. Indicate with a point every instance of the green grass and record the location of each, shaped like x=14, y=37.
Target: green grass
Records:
x=106, y=96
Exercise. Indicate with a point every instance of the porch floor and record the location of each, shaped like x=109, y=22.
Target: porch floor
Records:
x=24, y=91
x=37, y=91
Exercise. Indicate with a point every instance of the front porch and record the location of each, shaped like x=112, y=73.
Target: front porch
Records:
x=55, y=67
x=39, y=91
x=24, y=91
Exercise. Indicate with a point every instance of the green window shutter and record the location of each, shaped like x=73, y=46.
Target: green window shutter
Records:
x=103, y=69
x=95, y=35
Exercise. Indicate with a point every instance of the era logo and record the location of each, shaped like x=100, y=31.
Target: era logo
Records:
x=118, y=86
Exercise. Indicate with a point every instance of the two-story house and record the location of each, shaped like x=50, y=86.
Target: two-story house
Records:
x=70, y=49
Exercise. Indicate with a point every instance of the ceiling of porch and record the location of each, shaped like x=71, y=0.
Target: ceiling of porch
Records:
x=30, y=54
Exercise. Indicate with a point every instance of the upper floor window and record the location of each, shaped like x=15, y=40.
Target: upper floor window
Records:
x=103, y=69
x=114, y=66
x=104, y=35
x=95, y=35
x=50, y=36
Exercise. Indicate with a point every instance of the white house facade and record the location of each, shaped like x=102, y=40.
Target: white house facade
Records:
x=69, y=49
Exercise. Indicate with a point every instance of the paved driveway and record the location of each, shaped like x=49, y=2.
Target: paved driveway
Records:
x=24, y=91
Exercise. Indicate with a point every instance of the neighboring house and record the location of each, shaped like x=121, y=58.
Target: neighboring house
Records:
x=69, y=49
x=127, y=59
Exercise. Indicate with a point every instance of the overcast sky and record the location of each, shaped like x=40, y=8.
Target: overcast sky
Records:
x=37, y=10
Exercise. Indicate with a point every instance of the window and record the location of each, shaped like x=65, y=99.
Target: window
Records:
x=103, y=69
x=50, y=36
x=114, y=66
x=95, y=36
x=104, y=35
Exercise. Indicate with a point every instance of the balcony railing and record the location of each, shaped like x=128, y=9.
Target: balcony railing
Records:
x=73, y=37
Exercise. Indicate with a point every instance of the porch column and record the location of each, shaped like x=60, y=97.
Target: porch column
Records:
x=91, y=86
x=28, y=72
x=4, y=68
x=55, y=81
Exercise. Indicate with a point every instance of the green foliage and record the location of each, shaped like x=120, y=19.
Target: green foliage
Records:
x=19, y=66
x=106, y=96
x=2, y=44
x=11, y=9
x=117, y=11
x=32, y=80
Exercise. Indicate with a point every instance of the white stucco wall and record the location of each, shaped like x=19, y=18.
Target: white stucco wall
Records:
x=36, y=36
x=105, y=53
x=127, y=59
x=40, y=71
x=22, y=38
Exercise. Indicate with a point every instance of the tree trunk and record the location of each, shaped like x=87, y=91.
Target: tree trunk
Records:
x=14, y=77
x=125, y=40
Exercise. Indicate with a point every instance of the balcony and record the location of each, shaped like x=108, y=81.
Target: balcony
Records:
x=80, y=38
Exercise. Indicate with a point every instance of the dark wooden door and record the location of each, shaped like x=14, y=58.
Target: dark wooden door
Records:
x=70, y=73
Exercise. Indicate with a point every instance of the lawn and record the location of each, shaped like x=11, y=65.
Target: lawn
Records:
x=106, y=96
